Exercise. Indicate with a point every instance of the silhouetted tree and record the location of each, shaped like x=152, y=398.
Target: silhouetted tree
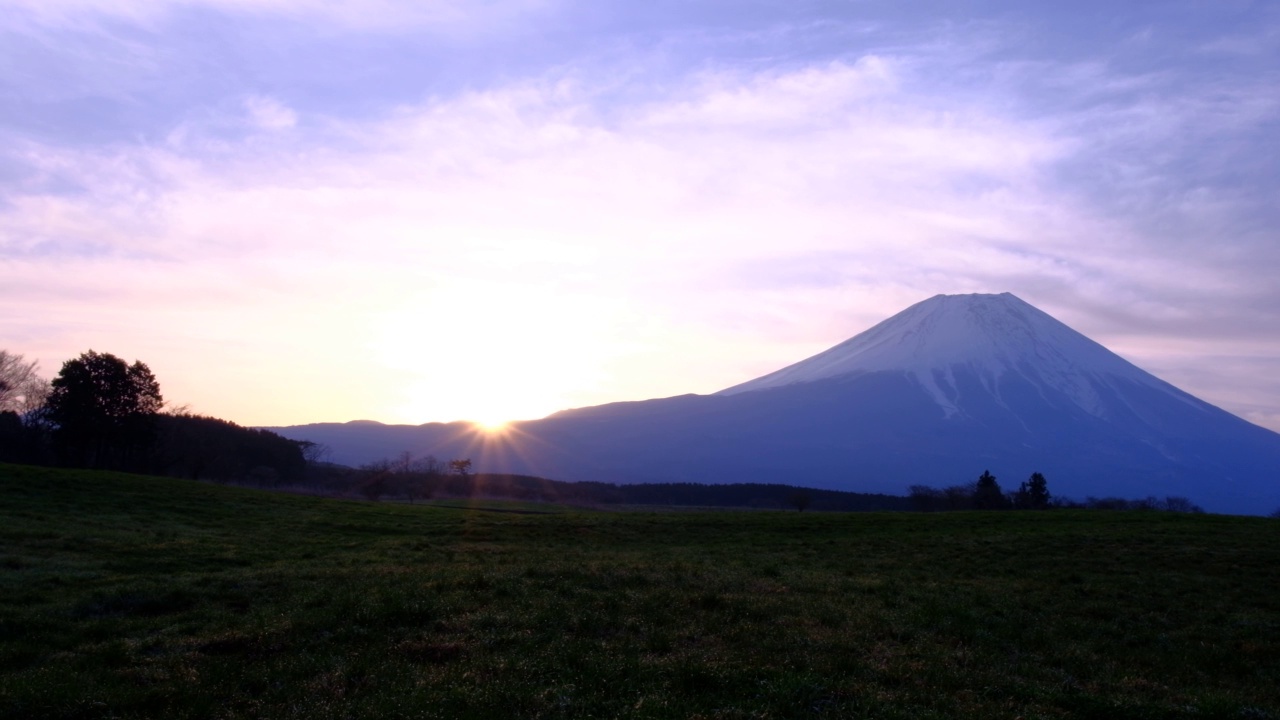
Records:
x=375, y=479
x=959, y=497
x=313, y=453
x=987, y=494
x=206, y=448
x=21, y=389
x=1033, y=494
x=926, y=499
x=429, y=465
x=1149, y=502
x=1038, y=491
x=425, y=476
x=410, y=482
x=461, y=468
x=1175, y=503
x=103, y=412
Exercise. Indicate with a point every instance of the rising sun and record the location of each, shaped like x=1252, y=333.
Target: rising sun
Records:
x=491, y=425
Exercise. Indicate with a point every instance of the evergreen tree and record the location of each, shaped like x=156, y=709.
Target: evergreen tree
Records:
x=1037, y=492
x=206, y=448
x=987, y=494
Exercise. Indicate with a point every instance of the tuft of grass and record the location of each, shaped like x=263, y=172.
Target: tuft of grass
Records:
x=134, y=597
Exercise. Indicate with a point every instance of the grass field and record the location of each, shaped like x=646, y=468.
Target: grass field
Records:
x=133, y=597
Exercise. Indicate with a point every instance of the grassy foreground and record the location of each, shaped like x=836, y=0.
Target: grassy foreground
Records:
x=132, y=597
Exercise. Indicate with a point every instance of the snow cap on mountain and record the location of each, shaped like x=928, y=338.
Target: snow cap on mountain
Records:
x=988, y=335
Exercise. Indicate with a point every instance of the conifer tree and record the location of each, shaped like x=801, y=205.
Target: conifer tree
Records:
x=1037, y=497
x=987, y=494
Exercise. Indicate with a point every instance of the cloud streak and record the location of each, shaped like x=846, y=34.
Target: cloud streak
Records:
x=359, y=15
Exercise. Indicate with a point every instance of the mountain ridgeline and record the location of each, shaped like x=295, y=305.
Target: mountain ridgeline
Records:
x=930, y=396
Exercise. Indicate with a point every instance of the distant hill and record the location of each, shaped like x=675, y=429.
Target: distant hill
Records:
x=934, y=395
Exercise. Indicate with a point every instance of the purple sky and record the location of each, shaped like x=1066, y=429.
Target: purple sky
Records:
x=299, y=210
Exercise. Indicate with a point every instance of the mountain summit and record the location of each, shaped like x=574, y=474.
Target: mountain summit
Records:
x=934, y=395
x=985, y=336
x=990, y=333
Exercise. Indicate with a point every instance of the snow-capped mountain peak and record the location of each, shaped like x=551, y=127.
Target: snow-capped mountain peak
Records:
x=987, y=335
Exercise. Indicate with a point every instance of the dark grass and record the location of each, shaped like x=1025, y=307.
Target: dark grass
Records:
x=133, y=597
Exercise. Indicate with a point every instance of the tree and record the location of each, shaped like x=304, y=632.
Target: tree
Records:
x=460, y=484
x=987, y=494
x=429, y=466
x=375, y=479
x=206, y=448
x=927, y=499
x=21, y=389
x=461, y=468
x=103, y=411
x=1177, y=503
x=959, y=497
x=403, y=463
x=313, y=453
x=427, y=472
x=1033, y=494
x=411, y=483
x=24, y=432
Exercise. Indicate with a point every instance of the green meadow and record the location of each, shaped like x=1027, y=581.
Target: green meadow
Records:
x=135, y=597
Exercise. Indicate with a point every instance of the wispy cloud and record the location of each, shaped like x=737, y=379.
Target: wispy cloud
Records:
x=396, y=15
x=269, y=113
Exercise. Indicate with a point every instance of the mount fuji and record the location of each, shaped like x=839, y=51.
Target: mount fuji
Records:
x=934, y=395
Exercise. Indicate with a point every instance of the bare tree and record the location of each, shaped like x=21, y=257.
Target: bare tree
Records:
x=927, y=499
x=375, y=478
x=430, y=466
x=959, y=497
x=313, y=453
x=430, y=472
x=410, y=482
x=21, y=389
x=403, y=463
x=1175, y=503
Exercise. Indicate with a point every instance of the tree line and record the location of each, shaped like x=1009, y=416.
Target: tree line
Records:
x=103, y=413
x=411, y=479
x=1032, y=494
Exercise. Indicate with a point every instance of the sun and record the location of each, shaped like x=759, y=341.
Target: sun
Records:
x=487, y=372
x=491, y=426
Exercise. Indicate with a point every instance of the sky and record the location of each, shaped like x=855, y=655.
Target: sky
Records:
x=299, y=211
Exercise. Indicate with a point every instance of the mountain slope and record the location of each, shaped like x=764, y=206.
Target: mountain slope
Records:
x=988, y=335
x=934, y=395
